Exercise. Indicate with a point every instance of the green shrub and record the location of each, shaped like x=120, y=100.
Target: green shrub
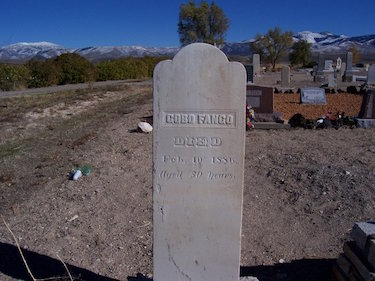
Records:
x=13, y=77
x=73, y=68
x=42, y=73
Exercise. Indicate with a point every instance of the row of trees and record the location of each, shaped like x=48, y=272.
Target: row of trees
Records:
x=207, y=23
x=72, y=68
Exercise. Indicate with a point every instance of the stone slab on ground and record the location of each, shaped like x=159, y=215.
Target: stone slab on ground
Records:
x=344, y=264
x=338, y=275
x=362, y=232
x=366, y=123
x=371, y=253
x=248, y=278
x=354, y=257
x=271, y=126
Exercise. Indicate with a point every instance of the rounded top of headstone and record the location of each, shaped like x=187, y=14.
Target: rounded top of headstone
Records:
x=202, y=49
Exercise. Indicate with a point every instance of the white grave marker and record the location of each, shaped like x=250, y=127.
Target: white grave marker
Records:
x=198, y=165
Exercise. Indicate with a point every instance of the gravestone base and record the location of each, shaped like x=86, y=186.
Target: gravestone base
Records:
x=248, y=278
x=319, y=78
x=348, y=76
x=366, y=123
x=268, y=117
x=271, y=126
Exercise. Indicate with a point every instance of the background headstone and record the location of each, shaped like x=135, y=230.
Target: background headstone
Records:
x=371, y=75
x=285, y=77
x=250, y=73
x=198, y=165
x=256, y=64
x=260, y=98
x=319, y=76
x=338, y=63
x=368, y=105
x=328, y=65
x=342, y=70
x=348, y=75
x=331, y=80
x=313, y=96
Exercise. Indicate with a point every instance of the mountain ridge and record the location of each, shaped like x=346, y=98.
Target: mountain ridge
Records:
x=322, y=42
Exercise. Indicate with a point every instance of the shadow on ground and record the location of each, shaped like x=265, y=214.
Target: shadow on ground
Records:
x=297, y=270
x=41, y=266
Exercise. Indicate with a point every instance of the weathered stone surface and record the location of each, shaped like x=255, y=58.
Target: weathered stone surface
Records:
x=355, y=258
x=198, y=165
x=313, y=96
x=344, y=265
x=362, y=232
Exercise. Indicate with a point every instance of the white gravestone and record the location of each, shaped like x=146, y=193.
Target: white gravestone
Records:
x=198, y=165
x=338, y=63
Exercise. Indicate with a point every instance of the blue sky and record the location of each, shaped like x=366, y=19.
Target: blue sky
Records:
x=75, y=23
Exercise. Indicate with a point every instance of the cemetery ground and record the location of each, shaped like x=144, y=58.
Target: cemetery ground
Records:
x=303, y=191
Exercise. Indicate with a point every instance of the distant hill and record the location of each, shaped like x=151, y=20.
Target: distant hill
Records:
x=324, y=42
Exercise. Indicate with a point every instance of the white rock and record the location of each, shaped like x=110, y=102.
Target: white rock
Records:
x=77, y=175
x=145, y=127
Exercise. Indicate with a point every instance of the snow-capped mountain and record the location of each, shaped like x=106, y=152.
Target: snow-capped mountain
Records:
x=328, y=43
x=25, y=51
x=22, y=52
x=323, y=42
x=100, y=53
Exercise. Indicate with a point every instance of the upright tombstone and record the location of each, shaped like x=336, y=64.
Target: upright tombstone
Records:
x=328, y=66
x=348, y=75
x=249, y=73
x=371, y=75
x=256, y=64
x=331, y=80
x=198, y=165
x=319, y=76
x=342, y=70
x=338, y=63
x=285, y=77
x=260, y=98
x=368, y=105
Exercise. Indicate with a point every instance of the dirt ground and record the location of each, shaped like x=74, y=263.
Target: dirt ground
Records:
x=304, y=189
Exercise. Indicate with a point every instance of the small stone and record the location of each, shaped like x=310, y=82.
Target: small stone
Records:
x=347, y=173
x=281, y=261
x=145, y=127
